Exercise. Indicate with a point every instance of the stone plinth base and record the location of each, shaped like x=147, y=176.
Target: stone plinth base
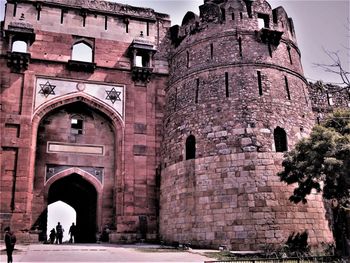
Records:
x=128, y=238
x=27, y=238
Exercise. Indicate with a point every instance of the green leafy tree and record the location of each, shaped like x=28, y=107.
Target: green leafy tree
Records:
x=322, y=159
x=322, y=162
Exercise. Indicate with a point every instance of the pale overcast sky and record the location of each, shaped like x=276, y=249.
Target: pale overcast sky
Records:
x=319, y=25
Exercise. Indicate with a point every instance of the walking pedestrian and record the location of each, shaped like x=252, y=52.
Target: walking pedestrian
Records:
x=52, y=236
x=10, y=241
x=72, y=232
x=59, y=233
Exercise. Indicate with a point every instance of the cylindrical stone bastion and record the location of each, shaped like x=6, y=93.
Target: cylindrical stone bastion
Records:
x=236, y=101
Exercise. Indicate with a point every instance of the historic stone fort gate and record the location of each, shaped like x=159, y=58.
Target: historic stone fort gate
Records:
x=159, y=132
x=82, y=94
x=68, y=176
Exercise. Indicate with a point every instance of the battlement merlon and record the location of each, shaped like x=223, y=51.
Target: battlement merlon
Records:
x=104, y=7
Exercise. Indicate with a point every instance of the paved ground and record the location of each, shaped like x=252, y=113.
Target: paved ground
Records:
x=101, y=253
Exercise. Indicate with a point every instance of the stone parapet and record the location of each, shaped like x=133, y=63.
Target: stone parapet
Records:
x=103, y=6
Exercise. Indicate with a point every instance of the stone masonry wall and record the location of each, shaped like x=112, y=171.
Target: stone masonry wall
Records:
x=327, y=97
x=235, y=200
x=217, y=120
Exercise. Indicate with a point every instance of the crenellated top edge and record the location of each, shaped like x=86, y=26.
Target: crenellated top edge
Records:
x=254, y=16
x=105, y=6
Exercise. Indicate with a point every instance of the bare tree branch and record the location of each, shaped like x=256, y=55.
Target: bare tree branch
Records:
x=336, y=67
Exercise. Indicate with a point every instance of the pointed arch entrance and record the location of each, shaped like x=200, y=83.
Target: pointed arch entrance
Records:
x=80, y=194
x=78, y=156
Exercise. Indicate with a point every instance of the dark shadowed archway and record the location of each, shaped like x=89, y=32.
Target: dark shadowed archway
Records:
x=82, y=196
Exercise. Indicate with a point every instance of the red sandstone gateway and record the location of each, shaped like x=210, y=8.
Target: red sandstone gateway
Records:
x=151, y=131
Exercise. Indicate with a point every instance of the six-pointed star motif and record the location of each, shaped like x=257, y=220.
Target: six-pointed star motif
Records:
x=113, y=95
x=47, y=89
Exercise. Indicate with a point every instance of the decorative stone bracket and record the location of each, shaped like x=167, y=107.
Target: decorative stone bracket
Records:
x=18, y=61
x=81, y=66
x=270, y=36
x=141, y=74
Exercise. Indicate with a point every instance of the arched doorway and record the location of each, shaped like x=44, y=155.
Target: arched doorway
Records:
x=77, y=144
x=82, y=196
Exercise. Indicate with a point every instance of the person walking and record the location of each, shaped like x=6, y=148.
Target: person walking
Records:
x=52, y=236
x=59, y=233
x=10, y=241
x=72, y=232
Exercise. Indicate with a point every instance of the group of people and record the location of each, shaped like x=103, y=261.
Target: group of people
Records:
x=10, y=238
x=57, y=234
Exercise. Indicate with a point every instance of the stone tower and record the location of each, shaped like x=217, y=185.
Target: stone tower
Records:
x=236, y=100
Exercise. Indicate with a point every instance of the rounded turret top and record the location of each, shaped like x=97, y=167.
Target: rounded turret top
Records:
x=236, y=15
x=236, y=31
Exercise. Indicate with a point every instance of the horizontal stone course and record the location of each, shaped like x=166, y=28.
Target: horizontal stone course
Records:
x=256, y=212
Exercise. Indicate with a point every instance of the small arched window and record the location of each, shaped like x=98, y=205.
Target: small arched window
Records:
x=280, y=136
x=82, y=52
x=142, y=60
x=76, y=124
x=190, y=147
x=19, y=46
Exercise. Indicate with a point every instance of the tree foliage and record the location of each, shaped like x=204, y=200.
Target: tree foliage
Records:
x=322, y=161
